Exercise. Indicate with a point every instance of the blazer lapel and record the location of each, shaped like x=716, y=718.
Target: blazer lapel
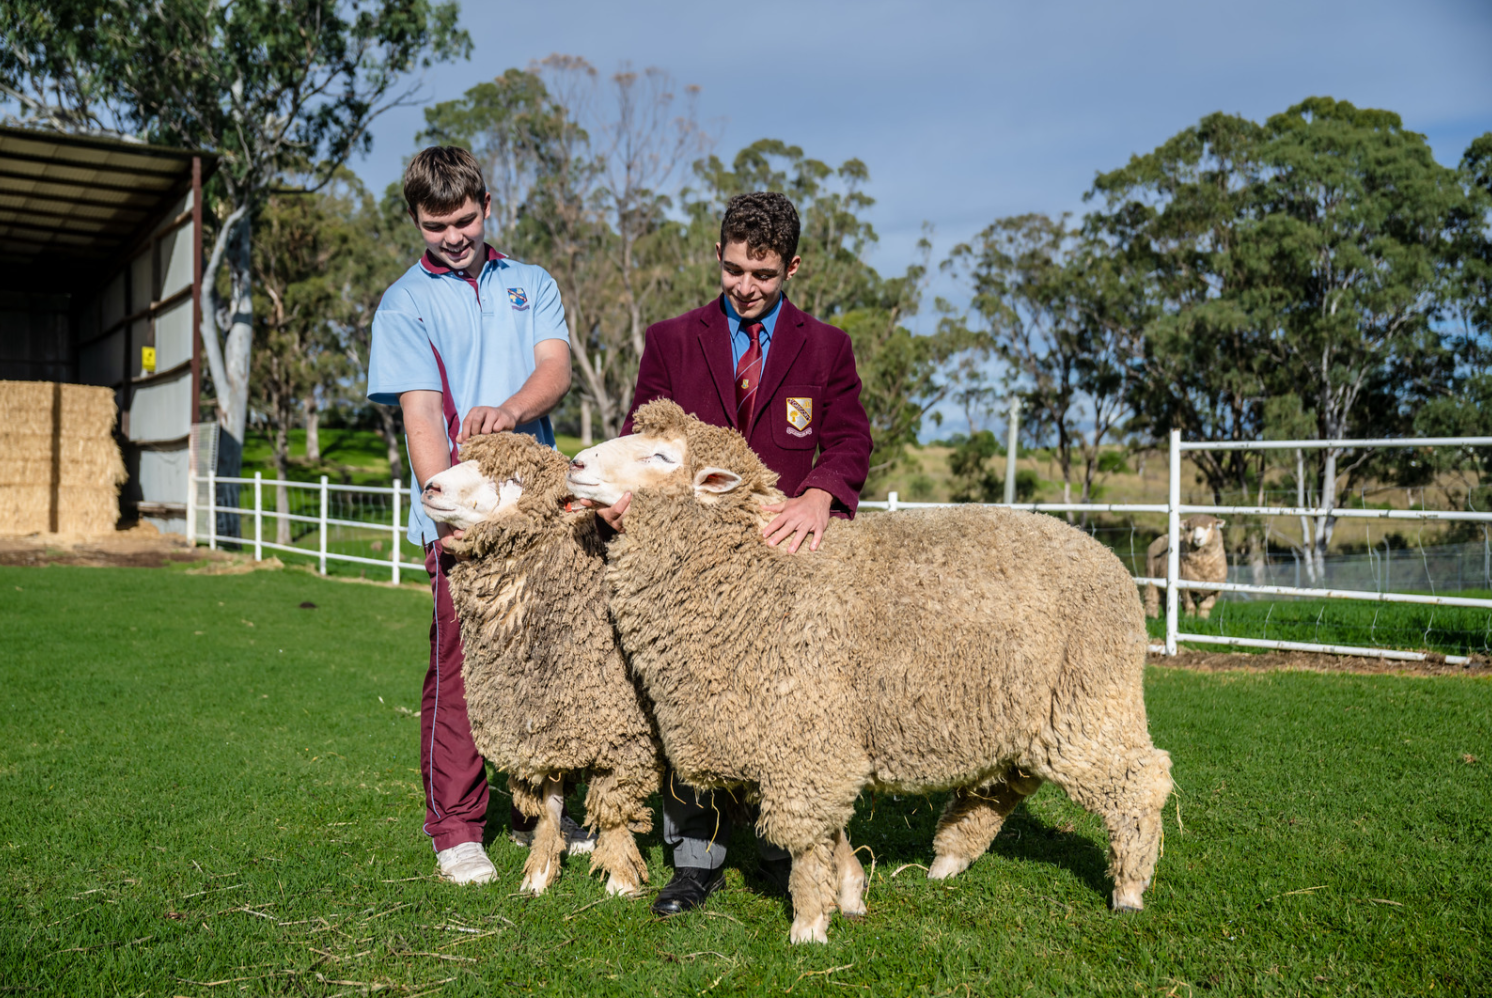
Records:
x=714, y=340
x=788, y=337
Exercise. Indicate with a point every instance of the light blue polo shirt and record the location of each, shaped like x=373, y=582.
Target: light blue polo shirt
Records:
x=485, y=335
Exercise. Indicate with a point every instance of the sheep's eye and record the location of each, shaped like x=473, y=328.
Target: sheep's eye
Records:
x=514, y=481
x=663, y=457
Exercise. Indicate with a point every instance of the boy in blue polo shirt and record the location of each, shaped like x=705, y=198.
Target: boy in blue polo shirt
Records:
x=466, y=342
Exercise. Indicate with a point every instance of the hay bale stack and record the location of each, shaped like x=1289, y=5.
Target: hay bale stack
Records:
x=60, y=469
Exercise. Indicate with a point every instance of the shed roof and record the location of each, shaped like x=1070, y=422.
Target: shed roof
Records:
x=69, y=199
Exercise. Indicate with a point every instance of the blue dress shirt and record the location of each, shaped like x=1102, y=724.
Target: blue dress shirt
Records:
x=740, y=340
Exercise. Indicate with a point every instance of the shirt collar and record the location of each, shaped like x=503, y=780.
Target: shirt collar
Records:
x=431, y=267
x=768, y=321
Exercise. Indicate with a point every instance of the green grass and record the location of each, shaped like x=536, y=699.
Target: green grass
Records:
x=1448, y=629
x=195, y=799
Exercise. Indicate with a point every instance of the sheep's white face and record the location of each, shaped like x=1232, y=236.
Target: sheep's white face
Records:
x=605, y=472
x=1202, y=531
x=461, y=497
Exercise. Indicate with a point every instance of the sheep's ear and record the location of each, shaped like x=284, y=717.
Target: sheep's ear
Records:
x=715, y=480
x=1222, y=523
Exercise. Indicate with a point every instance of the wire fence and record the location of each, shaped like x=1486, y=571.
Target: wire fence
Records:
x=334, y=525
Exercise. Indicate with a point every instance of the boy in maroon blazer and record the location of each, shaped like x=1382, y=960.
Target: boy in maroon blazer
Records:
x=752, y=360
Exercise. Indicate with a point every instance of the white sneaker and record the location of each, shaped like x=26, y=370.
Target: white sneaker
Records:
x=466, y=863
x=579, y=840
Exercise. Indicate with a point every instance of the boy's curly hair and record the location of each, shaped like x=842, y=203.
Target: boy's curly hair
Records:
x=763, y=220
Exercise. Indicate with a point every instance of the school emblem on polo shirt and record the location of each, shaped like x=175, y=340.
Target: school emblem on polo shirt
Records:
x=518, y=298
x=799, y=416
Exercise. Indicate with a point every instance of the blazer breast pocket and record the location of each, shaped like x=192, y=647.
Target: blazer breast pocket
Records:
x=796, y=416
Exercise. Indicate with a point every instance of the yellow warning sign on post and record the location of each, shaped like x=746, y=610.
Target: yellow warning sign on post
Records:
x=147, y=359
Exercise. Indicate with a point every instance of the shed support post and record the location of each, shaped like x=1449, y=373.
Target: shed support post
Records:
x=212, y=508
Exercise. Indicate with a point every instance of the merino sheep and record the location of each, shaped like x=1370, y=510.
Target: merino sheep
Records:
x=1202, y=560
x=548, y=691
x=975, y=650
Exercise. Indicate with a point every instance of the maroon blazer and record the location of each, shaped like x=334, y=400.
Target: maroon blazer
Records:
x=688, y=359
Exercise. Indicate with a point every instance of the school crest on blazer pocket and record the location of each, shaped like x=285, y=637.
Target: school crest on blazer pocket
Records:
x=800, y=416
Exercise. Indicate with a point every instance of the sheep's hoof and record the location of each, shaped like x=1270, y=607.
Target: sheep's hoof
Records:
x=1127, y=900
x=946, y=866
x=616, y=885
x=810, y=931
x=536, y=883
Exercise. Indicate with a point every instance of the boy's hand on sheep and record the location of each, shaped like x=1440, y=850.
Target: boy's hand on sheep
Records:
x=612, y=515
x=484, y=419
x=451, y=541
x=805, y=516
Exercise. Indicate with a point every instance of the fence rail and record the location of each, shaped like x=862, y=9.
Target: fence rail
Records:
x=392, y=527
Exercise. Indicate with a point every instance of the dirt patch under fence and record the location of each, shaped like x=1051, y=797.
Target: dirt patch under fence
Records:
x=1299, y=661
x=141, y=546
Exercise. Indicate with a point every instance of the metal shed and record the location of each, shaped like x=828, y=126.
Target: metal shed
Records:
x=101, y=284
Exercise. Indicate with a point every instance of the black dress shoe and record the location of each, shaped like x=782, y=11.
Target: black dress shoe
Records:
x=687, y=890
x=774, y=872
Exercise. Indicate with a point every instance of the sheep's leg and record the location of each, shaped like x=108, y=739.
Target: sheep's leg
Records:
x=1204, y=610
x=970, y=821
x=1152, y=601
x=851, y=877
x=546, y=804
x=616, y=807
x=1186, y=602
x=815, y=893
x=1127, y=788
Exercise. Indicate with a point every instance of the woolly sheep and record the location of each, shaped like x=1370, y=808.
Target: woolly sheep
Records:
x=547, y=689
x=1202, y=560
x=975, y=650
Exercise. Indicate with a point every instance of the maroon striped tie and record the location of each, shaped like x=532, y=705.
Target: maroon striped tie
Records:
x=748, y=376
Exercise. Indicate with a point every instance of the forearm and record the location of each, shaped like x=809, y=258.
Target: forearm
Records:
x=425, y=429
x=543, y=389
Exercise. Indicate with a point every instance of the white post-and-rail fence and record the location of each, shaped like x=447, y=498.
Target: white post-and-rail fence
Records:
x=393, y=527
x=1175, y=509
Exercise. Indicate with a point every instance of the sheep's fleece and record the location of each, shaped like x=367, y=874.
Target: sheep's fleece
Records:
x=970, y=649
x=547, y=688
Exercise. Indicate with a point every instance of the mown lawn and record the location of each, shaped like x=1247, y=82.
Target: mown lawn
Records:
x=212, y=791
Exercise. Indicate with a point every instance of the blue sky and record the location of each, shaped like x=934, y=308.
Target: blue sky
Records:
x=965, y=112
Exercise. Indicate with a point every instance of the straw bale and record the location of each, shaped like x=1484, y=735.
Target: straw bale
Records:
x=74, y=423
x=26, y=459
x=87, y=410
x=27, y=509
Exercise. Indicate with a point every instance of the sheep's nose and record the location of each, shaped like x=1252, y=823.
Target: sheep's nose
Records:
x=577, y=465
x=432, y=489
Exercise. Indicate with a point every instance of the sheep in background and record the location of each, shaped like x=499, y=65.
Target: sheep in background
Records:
x=547, y=689
x=1202, y=560
x=975, y=650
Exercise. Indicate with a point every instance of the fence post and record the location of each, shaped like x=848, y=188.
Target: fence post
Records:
x=323, y=524
x=1013, y=436
x=258, y=516
x=891, y=502
x=395, y=557
x=1173, y=542
x=212, y=509
x=191, y=504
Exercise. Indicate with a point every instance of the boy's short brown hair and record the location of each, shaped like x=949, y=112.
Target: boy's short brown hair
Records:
x=763, y=220
x=440, y=179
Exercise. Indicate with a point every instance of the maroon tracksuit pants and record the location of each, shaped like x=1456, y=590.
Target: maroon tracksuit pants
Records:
x=450, y=766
